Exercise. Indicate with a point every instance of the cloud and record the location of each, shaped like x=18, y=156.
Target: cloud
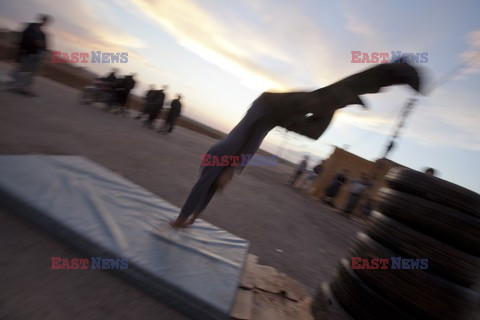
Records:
x=474, y=39
x=440, y=120
x=92, y=28
x=471, y=57
x=354, y=22
x=355, y=25
x=199, y=31
x=255, y=52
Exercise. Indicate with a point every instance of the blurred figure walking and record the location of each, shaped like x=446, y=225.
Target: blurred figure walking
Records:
x=173, y=114
x=334, y=187
x=313, y=175
x=357, y=188
x=126, y=85
x=32, y=49
x=158, y=98
x=110, y=83
x=301, y=168
x=148, y=102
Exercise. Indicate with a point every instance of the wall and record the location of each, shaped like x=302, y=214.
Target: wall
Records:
x=340, y=160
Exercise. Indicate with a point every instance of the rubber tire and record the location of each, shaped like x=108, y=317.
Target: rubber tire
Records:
x=325, y=306
x=434, y=189
x=448, y=225
x=360, y=301
x=417, y=291
x=443, y=260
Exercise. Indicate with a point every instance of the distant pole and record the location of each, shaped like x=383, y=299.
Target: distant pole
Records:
x=400, y=124
x=411, y=102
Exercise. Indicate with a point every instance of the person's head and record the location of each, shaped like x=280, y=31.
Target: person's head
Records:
x=43, y=19
x=224, y=178
x=430, y=172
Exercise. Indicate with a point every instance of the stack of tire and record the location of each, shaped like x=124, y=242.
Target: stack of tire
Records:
x=417, y=217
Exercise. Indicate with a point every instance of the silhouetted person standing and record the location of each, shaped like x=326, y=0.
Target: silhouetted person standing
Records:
x=173, y=114
x=33, y=47
x=148, y=101
x=111, y=78
x=126, y=85
x=314, y=174
x=301, y=168
x=334, y=187
x=156, y=107
x=357, y=188
x=110, y=90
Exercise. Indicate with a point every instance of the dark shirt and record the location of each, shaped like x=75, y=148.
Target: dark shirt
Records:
x=128, y=83
x=318, y=169
x=33, y=39
x=176, y=107
x=158, y=98
x=111, y=79
x=149, y=96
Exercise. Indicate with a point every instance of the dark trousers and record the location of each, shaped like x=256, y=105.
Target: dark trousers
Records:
x=246, y=138
x=170, y=124
x=295, y=177
x=352, y=202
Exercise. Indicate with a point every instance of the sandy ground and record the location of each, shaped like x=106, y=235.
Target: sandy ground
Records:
x=287, y=229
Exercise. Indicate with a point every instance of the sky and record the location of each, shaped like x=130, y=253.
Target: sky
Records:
x=221, y=55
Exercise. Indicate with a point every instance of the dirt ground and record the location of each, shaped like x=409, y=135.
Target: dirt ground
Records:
x=288, y=229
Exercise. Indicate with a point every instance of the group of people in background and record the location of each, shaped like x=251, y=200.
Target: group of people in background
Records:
x=153, y=105
x=302, y=170
x=358, y=185
x=154, y=100
x=117, y=90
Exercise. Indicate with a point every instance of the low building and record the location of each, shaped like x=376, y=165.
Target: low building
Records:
x=342, y=160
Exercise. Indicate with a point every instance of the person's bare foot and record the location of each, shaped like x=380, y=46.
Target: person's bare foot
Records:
x=194, y=217
x=180, y=223
x=190, y=221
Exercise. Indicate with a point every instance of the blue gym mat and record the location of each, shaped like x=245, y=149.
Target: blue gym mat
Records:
x=196, y=270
